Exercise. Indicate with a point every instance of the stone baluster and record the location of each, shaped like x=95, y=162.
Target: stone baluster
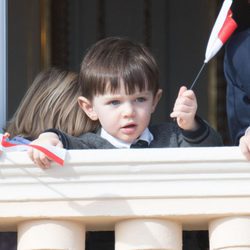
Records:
x=51, y=234
x=230, y=233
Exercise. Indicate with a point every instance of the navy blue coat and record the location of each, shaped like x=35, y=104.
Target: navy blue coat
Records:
x=237, y=73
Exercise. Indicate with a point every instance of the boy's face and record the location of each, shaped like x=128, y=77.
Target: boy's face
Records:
x=123, y=116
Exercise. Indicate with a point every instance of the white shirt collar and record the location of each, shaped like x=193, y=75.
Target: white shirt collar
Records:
x=146, y=136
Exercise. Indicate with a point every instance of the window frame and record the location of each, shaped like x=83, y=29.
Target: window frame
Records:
x=3, y=62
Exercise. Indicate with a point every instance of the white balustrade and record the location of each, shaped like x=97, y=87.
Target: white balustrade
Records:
x=148, y=196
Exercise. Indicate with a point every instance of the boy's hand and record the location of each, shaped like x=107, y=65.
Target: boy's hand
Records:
x=245, y=145
x=185, y=109
x=39, y=158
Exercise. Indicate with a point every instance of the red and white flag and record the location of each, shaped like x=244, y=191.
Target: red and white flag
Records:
x=223, y=28
x=54, y=153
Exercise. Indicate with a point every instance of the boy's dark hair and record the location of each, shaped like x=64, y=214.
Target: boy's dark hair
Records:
x=115, y=60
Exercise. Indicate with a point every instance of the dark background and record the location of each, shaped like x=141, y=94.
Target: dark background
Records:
x=43, y=33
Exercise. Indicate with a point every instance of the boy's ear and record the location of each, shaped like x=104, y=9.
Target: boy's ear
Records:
x=86, y=105
x=157, y=98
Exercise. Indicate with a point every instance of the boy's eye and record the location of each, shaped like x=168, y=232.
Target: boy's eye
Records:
x=140, y=99
x=114, y=102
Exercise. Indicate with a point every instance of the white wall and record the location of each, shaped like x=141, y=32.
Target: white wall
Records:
x=3, y=37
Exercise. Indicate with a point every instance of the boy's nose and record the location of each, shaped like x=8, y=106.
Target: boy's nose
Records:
x=128, y=109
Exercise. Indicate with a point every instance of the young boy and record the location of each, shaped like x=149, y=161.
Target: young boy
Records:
x=120, y=89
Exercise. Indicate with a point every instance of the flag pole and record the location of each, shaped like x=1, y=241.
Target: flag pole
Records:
x=197, y=76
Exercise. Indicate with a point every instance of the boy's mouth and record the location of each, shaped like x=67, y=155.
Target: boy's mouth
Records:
x=129, y=128
x=132, y=125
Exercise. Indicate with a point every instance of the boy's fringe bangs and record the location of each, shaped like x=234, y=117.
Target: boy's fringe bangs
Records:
x=134, y=81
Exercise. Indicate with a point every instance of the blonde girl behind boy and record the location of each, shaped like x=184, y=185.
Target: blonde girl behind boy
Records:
x=50, y=102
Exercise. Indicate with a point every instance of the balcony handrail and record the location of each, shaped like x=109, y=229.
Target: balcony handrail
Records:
x=192, y=185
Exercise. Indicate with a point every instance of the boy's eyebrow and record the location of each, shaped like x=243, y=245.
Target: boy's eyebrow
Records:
x=143, y=93
x=121, y=95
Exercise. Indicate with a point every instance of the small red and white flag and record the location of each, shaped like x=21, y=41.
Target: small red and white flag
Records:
x=223, y=28
x=54, y=153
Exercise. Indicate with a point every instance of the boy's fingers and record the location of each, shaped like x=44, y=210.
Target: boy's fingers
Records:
x=45, y=161
x=39, y=158
x=36, y=158
x=182, y=90
x=172, y=115
x=42, y=161
x=59, y=144
x=183, y=111
x=187, y=98
x=30, y=154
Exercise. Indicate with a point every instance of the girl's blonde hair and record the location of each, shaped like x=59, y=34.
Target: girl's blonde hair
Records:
x=51, y=102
